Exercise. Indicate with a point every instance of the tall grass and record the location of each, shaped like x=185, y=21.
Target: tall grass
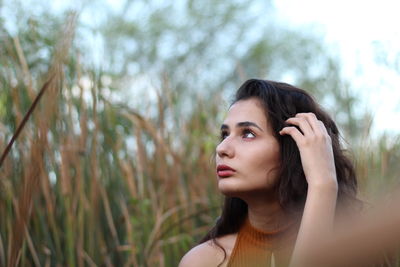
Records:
x=91, y=182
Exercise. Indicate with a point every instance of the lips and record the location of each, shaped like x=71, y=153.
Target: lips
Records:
x=225, y=171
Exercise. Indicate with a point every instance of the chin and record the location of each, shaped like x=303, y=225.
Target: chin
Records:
x=231, y=188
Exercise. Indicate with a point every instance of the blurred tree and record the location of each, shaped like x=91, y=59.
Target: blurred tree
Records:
x=213, y=46
x=201, y=47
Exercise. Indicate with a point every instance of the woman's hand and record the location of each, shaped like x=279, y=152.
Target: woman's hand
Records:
x=318, y=163
x=315, y=148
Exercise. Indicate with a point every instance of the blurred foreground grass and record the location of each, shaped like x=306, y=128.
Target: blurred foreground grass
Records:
x=95, y=182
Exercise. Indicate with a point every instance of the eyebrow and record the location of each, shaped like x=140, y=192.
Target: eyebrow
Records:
x=242, y=125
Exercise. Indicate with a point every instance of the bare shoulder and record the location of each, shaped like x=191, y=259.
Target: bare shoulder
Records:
x=204, y=254
x=208, y=253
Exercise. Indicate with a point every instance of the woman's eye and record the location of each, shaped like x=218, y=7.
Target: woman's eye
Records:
x=248, y=134
x=223, y=135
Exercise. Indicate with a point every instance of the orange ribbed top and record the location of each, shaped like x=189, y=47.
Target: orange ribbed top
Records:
x=257, y=248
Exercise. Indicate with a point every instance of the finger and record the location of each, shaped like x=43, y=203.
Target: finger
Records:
x=317, y=125
x=311, y=119
x=302, y=123
x=322, y=127
x=293, y=132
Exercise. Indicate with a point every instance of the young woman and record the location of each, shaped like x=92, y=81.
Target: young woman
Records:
x=284, y=176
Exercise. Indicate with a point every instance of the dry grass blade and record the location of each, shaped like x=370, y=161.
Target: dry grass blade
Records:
x=24, y=65
x=129, y=177
x=32, y=248
x=23, y=206
x=31, y=180
x=145, y=124
x=129, y=229
x=88, y=260
x=25, y=119
x=54, y=76
x=156, y=235
x=109, y=217
x=2, y=254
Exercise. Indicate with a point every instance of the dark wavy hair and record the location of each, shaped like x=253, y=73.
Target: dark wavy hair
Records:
x=282, y=101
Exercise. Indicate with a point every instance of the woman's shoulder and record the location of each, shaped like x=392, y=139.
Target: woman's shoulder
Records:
x=208, y=253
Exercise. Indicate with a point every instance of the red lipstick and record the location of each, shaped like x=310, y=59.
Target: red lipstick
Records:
x=225, y=171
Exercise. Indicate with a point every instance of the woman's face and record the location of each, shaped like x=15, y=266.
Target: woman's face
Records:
x=248, y=155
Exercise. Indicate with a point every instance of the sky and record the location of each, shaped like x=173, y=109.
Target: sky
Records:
x=355, y=30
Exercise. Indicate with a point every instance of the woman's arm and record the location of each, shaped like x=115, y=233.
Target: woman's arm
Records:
x=373, y=237
x=317, y=159
x=316, y=224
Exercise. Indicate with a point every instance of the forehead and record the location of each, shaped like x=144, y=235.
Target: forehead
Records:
x=247, y=110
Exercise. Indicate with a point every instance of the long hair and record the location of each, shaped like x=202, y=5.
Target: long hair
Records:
x=280, y=102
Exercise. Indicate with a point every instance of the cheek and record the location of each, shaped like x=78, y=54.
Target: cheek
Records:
x=267, y=156
x=266, y=164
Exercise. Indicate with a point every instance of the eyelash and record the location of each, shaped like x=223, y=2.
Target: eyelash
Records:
x=248, y=131
x=245, y=131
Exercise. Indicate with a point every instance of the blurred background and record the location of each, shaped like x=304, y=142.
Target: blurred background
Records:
x=115, y=166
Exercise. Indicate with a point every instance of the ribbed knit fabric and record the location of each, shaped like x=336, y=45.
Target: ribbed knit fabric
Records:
x=257, y=248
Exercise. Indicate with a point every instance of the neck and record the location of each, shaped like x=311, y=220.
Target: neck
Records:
x=266, y=214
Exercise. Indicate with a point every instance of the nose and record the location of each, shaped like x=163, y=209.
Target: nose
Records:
x=225, y=148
